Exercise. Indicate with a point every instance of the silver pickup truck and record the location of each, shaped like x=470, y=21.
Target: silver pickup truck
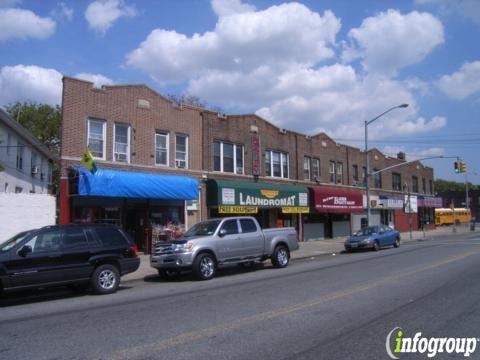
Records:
x=231, y=240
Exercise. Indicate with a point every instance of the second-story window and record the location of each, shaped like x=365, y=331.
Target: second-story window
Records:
x=414, y=184
x=227, y=157
x=424, y=186
x=378, y=179
x=306, y=167
x=430, y=183
x=396, y=181
x=181, y=151
x=364, y=174
x=96, y=138
x=121, y=143
x=161, y=148
x=276, y=164
x=20, y=154
x=339, y=172
x=316, y=169
x=33, y=165
x=355, y=172
x=331, y=170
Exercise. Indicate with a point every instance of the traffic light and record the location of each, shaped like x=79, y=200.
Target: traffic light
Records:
x=457, y=170
x=462, y=167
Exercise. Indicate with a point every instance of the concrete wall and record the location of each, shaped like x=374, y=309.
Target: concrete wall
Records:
x=20, y=212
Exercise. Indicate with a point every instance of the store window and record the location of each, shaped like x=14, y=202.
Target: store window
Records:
x=306, y=167
x=378, y=179
x=20, y=154
x=181, y=151
x=316, y=169
x=414, y=184
x=331, y=170
x=339, y=173
x=396, y=181
x=121, y=143
x=227, y=157
x=96, y=138
x=276, y=164
x=161, y=148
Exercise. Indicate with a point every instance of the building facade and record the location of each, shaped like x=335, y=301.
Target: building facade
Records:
x=242, y=164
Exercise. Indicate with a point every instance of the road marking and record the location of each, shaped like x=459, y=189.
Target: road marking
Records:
x=138, y=352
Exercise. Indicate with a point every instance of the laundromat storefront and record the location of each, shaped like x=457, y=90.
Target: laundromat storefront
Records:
x=333, y=209
x=273, y=205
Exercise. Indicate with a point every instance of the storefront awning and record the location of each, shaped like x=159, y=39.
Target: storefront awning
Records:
x=328, y=200
x=430, y=202
x=130, y=184
x=247, y=197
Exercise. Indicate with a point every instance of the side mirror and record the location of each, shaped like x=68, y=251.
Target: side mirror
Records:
x=26, y=249
x=222, y=232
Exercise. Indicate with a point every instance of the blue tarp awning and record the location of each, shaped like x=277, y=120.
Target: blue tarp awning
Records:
x=129, y=184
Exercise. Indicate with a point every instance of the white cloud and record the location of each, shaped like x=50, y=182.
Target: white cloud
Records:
x=101, y=14
x=230, y=7
x=390, y=41
x=62, y=11
x=97, y=79
x=241, y=42
x=435, y=151
x=414, y=153
x=462, y=83
x=30, y=83
x=421, y=125
x=38, y=84
x=23, y=24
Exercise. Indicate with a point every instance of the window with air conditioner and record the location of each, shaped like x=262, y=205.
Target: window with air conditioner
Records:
x=121, y=143
x=306, y=167
x=181, y=151
x=228, y=157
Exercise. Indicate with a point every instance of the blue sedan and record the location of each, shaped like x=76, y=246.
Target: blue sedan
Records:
x=373, y=237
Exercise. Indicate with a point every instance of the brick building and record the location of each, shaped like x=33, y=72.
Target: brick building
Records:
x=242, y=164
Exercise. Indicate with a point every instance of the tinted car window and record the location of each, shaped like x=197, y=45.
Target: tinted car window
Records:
x=111, y=237
x=45, y=241
x=248, y=225
x=230, y=226
x=74, y=239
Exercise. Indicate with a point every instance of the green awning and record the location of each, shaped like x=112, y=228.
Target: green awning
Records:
x=226, y=193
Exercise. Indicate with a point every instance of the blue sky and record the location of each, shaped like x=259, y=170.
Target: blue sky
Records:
x=308, y=66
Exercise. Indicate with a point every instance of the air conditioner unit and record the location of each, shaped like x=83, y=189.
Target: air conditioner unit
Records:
x=221, y=115
x=308, y=137
x=180, y=164
x=283, y=131
x=35, y=170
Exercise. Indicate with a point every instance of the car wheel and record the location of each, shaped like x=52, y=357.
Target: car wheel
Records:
x=376, y=245
x=204, y=267
x=280, y=257
x=105, y=279
x=396, y=244
x=168, y=273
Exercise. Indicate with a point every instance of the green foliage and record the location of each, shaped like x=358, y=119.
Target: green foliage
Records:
x=445, y=185
x=43, y=121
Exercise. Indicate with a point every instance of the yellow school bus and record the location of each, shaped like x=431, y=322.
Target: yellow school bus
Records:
x=446, y=216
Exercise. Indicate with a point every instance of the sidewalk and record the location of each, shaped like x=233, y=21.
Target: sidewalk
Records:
x=310, y=249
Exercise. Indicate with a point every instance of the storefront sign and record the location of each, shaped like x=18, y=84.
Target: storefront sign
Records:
x=237, y=210
x=252, y=194
x=390, y=202
x=255, y=154
x=411, y=205
x=430, y=202
x=337, y=201
x=295, y=210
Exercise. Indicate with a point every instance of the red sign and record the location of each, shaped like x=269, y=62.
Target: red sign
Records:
x=255, y=154
x=337, y=200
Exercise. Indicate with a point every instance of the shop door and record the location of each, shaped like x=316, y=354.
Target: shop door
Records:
x=135, y=226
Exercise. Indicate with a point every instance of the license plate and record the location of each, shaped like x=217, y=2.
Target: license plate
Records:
x=354, y=245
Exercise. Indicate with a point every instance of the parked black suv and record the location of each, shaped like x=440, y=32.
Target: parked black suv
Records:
x=76, y=254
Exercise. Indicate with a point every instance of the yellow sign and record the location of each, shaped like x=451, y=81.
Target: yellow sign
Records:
x=269, y=194
x=237, y=209
x=296, y=210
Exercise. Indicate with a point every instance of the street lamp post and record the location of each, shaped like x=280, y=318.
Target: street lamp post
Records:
x=367, y=175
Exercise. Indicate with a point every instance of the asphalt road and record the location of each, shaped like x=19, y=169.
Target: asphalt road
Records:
x=340, y=307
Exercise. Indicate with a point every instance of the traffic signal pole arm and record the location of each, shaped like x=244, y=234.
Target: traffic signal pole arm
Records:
x=410, y=162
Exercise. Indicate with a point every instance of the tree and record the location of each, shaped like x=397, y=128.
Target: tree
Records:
x=444, y=185
x=43, y=121
x=192, y=100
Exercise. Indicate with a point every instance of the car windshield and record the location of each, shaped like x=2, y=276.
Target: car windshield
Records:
x=366, y=231
x=10, y=243
x=203, y=228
